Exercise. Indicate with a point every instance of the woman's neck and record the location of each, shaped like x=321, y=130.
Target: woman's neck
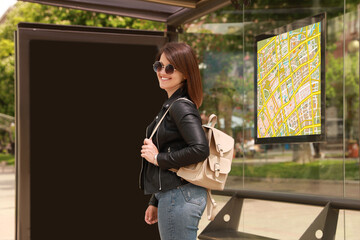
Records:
x=170, y=92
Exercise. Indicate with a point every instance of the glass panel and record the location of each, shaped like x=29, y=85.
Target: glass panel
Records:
x=304, y=167
x=224, y=41
x=351, y=100
x=351, y=106
x=218, y=41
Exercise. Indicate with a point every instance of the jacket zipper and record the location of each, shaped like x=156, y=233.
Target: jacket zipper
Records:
x=142, y=162
x=157, y=140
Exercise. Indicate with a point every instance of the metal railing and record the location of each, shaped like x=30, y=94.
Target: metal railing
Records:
x=325, y=223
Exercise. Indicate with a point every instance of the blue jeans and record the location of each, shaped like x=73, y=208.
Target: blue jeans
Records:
x=179, y=212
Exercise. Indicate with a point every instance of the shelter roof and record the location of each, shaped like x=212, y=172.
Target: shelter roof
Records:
x=172, y=12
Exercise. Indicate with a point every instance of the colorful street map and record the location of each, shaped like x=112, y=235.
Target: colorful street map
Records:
x=288, y=83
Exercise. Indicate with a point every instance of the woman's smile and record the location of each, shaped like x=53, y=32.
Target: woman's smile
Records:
x=165, y=78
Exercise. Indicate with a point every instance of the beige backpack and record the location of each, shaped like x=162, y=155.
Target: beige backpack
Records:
x=213, y=171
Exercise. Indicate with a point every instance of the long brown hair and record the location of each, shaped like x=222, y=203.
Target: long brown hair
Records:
x=183, y=57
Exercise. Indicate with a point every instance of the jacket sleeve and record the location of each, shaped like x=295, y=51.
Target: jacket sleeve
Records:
x=188, y=122
x=153, y=201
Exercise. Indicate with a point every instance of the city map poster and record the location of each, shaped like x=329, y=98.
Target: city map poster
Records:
x=289, y=84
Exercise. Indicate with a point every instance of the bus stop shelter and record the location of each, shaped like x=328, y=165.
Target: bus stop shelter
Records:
x=57, y=80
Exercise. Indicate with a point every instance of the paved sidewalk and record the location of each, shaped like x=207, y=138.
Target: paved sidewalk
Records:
x=7, y=205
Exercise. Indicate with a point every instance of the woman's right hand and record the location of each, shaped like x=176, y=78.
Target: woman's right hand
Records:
x=151, y=215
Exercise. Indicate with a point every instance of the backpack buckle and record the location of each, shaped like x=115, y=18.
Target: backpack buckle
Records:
x=217, y=169
x=220, y=150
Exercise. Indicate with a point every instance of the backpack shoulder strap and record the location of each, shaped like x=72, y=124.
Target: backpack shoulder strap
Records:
x=157, y=126
x=212, y=120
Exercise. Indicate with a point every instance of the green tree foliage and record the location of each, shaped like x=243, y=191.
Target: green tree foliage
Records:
x=342, y=96
x=7, y=77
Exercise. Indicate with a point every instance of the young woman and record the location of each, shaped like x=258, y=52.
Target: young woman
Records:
x=176, y=204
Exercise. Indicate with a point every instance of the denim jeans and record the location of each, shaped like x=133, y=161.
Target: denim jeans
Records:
x=179, y=212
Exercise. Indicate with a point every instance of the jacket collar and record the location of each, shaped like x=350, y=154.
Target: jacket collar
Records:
x=181, y=92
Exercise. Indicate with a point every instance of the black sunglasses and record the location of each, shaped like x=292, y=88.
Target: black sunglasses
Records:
x=169, y=69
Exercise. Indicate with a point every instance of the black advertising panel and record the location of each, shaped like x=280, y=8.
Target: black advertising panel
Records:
x=84, y=98
x=290, y=83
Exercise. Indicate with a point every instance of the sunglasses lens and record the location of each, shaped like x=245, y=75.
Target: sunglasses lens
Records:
x=169, y=69
x=157, y=66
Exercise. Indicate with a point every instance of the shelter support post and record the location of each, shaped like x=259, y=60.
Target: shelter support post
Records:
x=172, y=33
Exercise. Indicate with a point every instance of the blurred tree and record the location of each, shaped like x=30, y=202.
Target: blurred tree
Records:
x=6, y=95
x=334, y=89
x=7, y=77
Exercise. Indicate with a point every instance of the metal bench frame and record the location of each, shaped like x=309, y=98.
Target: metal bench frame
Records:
x=326, y=221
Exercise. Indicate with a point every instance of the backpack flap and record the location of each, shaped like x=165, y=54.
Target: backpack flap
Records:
x=221, y=151
x=223, y=142
x=219, y=165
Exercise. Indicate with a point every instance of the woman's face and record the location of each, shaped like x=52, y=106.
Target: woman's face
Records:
x=169, y=82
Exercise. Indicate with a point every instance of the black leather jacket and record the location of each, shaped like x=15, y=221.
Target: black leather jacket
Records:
x=181, y=141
